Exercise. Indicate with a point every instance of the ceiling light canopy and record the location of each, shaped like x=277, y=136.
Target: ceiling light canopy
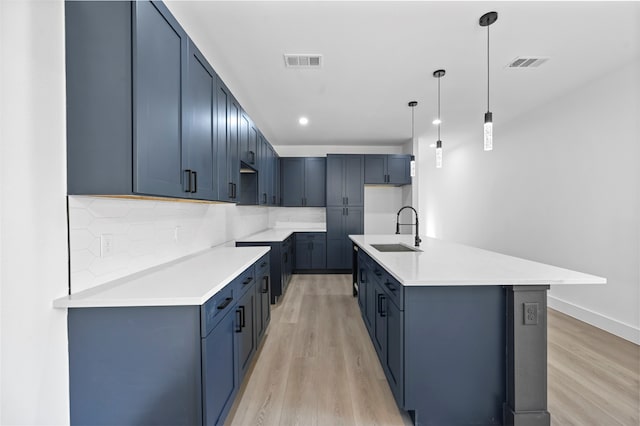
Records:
x=303, y=121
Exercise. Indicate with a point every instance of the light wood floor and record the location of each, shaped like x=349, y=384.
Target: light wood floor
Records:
x=317, y=366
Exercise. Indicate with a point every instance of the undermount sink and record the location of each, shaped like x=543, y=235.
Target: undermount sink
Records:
x=394, y=247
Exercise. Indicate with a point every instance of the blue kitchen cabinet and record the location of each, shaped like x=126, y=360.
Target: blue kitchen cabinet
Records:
x=311, y=251
x=303, y=181
x=247, y=140
x=281, y=264
x=345, y=180
x=228, y=161
x=429, y=379
x=393, y=169
x=178, y=365
x=200, y=147
x=263, y=300
x=126, y=65
x=342, y=222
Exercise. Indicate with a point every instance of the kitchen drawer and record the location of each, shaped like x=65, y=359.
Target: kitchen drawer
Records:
x=245, y=280
x=262, y=265
x=391, y=286
x=216, y=307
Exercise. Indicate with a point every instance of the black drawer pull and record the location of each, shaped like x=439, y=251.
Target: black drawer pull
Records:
x=390, y=286
x=238, y=321
x=225, y=303
x=378, y=273
x=242, y=325
x=188, y=180
x=195, y=182
x=262, y=265
x=253, y=157
x=247, y=280
x=266, y=284
x=363, y=276
x=381, y=299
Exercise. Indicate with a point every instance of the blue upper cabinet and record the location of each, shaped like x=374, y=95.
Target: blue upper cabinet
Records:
x=392, y=169
x=228, y=161
x=345, y=180
x=303, y=181
x=199, y=147
x=248, y=138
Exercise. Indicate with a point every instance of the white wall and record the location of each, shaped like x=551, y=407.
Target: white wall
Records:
x=33, y=363
x=562, y=186
x=144, y=233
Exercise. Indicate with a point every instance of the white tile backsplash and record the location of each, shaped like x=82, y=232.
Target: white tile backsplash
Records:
x=281, y=216
x=144, y=233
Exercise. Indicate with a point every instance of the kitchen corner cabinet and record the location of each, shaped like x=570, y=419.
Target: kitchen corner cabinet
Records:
x=179, y=365
x=281, y=261
x=303, y=181
x=311, y=251
x=391, y=169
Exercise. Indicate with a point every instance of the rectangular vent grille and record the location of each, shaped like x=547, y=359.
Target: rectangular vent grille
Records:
x=302, y=61
x=527, y=62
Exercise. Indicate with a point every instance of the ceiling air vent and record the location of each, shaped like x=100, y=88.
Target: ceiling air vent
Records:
x=302, y=61
x=527, y=62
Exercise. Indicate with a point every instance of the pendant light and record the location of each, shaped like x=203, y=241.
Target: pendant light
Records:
x=485, y=21
x=439, y=74
x=413, y=104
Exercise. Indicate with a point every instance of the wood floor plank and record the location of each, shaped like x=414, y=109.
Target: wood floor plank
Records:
x=318, y=367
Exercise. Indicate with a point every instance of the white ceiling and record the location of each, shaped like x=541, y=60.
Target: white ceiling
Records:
x=380, y=55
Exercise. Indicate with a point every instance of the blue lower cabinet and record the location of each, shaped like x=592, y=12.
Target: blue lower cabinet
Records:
x=177, y=365
x=442, y=349
x=281, y=264
x=219, y=370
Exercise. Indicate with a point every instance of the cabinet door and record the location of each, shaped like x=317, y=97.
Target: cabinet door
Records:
x=370, y=308
x=335, y=219
x=303, y=253
x=362, y=286
x=318, y=254
x=223, y=100
x=395, y=351
x=246, y=331
x=199, y=143
x=354, y=180
x=375, y=169
x=292, y=182
x=160, y=57
x=380, y=323
x=243, y=137
x=398, y=169
x=233, y=157
x=263, y=172
x=315, y=178
x=219, y=370
x=262, y=313
x=353, y=221
x=335, y=180
x=253, y=146
x=335, y=256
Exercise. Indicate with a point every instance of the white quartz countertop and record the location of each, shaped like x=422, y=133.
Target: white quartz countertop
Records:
x=443, y=263
x=191, y=280
x=278, y=234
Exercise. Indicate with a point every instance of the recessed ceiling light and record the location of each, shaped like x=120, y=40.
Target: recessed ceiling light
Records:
x=303, y=121
x=437, y=121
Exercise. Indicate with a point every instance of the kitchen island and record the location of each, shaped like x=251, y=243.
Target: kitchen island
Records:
x=460, y=332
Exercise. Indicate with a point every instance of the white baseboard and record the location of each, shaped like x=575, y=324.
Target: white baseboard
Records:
x=613, y=326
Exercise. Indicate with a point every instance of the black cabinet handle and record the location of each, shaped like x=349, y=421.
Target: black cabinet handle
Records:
x=238, y=321
x=343, y=201
x=235, y=190
x=264, y=198
x=302, y=201
x=274, y=199
x=347, y=211
x=225, y=303
x=377, y=272
x=230, y=190
x=242, y=325
x=253, y=157
x=286, y=257
x=266, y=284
x=263, y=264
x=347, y=201
x=381, y=299
x=187, y=180
x=195, y=182
x=363, y=276
x=390, y=286
x=247, y=280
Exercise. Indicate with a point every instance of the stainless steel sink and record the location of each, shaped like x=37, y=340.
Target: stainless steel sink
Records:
x=394, y=247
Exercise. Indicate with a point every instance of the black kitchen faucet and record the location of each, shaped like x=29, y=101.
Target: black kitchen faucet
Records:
x=418, y=240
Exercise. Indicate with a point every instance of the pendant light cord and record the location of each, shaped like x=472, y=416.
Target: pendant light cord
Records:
x=412, y=126
x=439, y=108
x=488, y=68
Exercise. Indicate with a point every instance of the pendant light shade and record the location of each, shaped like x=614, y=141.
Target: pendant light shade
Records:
x=412, y=105
x=485, y=21
x=438, y=74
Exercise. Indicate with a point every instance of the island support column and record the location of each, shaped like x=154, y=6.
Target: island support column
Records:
x=526, y=403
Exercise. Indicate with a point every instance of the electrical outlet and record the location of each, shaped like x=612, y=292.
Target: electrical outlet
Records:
x=176, y=234
x=530, y=313
x=107, y=245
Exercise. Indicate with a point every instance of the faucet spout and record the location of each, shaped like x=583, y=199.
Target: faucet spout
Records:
x=416, y=224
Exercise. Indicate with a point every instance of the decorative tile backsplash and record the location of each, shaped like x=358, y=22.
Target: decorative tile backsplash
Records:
x=144, y=233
